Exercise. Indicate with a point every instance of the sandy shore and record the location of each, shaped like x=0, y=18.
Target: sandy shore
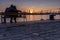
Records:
x=27, y=23
x=33, y=30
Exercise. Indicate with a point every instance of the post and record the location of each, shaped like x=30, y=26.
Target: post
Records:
x=1, y=18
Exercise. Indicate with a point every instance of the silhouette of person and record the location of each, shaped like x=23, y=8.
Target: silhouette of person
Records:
x=52, y=16
x=12, y=8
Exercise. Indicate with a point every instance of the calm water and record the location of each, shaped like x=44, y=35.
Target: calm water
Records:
x=34, y=17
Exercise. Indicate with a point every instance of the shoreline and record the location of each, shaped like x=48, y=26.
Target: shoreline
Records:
x=29, y=23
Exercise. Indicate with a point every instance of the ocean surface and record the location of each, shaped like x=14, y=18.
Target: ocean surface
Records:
x=33, y=18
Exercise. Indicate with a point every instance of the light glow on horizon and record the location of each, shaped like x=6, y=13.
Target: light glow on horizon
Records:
x=32, y=10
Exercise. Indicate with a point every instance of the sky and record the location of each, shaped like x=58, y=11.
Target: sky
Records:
x=30, y=4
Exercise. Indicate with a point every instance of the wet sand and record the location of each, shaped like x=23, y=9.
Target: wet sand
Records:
x=33, y=30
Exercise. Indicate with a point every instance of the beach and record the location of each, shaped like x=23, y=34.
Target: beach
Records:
x=32, y=30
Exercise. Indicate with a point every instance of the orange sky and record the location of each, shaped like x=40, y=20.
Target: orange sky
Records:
x=34, y=5
x=35, y=10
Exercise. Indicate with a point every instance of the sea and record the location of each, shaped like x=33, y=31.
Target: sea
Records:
x=32, y=18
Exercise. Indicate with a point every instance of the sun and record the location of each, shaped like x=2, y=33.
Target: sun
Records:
x=31, y=10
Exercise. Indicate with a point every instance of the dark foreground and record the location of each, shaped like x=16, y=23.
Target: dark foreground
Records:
x=32, y=31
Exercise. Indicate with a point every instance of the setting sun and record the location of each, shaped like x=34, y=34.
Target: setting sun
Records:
x=30, y=10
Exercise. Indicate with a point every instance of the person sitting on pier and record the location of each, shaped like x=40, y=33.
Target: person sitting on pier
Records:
x=13, y=10
x=52, y=16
